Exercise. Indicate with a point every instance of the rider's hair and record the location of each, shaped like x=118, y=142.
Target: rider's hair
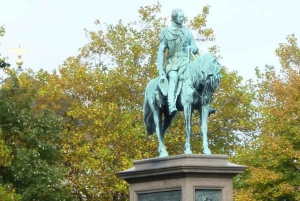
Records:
x=175, y=14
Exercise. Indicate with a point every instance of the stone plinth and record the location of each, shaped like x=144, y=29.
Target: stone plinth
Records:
x=188, y=177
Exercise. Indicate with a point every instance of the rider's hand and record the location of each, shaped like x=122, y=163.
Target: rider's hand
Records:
x=192, y=49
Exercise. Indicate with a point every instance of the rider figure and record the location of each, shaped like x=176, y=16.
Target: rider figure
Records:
x=178, y=41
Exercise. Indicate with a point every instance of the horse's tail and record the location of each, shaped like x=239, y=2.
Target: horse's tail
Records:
x=148, y=118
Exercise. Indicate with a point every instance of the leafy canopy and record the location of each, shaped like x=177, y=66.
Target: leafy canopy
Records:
x=274, y=158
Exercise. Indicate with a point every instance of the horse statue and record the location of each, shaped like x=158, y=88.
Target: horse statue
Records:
x=195, y=90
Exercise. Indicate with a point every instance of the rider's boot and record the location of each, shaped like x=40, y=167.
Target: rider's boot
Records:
x=171, y=96
x=211, y=111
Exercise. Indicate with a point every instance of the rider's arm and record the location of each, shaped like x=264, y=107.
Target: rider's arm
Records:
x=194, y=48
x=160, y=54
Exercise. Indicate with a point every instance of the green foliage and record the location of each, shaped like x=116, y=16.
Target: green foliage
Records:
x=30, y=138
x=8, y=194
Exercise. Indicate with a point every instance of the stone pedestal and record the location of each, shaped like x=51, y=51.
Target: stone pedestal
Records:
x=188, y=177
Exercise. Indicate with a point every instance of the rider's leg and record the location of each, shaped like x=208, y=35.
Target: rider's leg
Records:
x=173, y=76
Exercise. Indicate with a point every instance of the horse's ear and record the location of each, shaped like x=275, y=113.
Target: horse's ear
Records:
x=163, y=85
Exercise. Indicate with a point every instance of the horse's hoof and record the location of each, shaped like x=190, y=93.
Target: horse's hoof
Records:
x=206, y=151
x=188, y=152
x=172, y=110
x=163, y=154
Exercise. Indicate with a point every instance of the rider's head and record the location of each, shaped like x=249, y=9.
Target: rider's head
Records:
x=177, y=16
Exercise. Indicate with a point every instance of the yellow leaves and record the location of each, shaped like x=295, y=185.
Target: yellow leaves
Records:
x=205, y=10
x=264, y=184
x=263, y=176
x=275, y=148
x=101, y=139
x=271, y=165
x=289, y=55
x=198, y=22
x=147, y=13
x=284, y=189
x=243, y=195
x=274, y=158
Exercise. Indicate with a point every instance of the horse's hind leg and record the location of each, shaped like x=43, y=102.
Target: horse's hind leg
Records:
x=160, y=136
x=167, y=122
x=204, y=118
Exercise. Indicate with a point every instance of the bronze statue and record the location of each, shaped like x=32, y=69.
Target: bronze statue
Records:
x=178, y=40
x=188, y=84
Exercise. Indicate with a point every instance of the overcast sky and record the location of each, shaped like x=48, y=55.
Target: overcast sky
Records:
x=247, y=32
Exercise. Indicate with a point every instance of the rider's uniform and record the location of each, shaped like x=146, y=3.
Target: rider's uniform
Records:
x=177, y=40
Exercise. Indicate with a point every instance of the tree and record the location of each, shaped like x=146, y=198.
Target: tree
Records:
x=274, y=158
x=7, y=192
x=31, y=165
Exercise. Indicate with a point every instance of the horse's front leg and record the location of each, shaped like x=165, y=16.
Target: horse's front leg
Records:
x=204, y=118
x=187, y=118
x=160, y=136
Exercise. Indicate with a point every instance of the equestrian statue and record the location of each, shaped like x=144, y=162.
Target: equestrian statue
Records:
x=186, y=82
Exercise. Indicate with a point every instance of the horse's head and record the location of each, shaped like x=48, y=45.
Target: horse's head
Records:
x=205, y=66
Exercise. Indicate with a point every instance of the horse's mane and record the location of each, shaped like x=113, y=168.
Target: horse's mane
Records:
x=203, y=66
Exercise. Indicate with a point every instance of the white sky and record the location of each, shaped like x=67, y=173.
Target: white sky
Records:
x=247, y=32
